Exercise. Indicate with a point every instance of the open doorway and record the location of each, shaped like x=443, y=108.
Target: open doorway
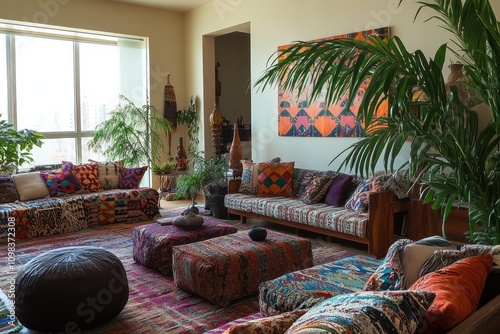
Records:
x=229, y=52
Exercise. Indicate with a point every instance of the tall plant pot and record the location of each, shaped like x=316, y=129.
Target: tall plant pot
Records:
x=217, y=206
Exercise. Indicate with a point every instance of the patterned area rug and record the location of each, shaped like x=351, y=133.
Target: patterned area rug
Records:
x=155, y=304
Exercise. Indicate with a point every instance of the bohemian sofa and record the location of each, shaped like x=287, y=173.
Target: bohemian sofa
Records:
x=326, y=202
x=427, y=286
x=73, y=197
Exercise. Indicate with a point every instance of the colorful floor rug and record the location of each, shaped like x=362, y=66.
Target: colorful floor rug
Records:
x=155, y=304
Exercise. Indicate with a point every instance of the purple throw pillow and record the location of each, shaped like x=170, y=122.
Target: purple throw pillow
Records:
x=337, y=194
x=131, y=177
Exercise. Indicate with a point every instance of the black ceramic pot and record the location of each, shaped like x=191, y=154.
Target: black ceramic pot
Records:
x=257, y=233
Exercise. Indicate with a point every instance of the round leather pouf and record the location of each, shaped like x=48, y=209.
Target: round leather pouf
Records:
x=70, y=288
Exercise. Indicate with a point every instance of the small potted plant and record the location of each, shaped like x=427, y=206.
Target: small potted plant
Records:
x=166, y=167
x=16, y=146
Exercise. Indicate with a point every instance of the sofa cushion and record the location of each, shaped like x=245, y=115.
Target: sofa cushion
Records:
x=303, y=177
x=109, y=173
x=62, y=181
x=30, y=186
x=366, y=312
x=275, y=179
x=316, y=190
x=338, y=191
x=457, y=288
x=307, y=287
x=88, y=176
x=8, y=193
x=249, y=176
x=131, y=177
x=358, y=201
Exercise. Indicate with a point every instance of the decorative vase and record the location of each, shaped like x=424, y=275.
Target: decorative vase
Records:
x=455, y=74
x=181, y=156
x=216, y=126
x=257, y=233
x=236, y=151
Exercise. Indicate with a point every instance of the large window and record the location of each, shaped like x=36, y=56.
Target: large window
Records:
x=63, y=83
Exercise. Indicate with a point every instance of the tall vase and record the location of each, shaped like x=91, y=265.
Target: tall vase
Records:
x=181, y=156
x=216, y=126
x=236, y=151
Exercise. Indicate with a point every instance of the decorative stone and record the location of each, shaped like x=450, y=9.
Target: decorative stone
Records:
x=257, y=233
x=188, y=221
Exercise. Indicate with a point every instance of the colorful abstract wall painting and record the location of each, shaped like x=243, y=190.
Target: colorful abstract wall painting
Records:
x=298, y=118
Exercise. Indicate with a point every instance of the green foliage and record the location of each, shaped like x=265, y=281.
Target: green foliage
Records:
x=450, y=155
x=205, y=171
x=132, y=134
x=15, y=146
x=190, y=118
x=170, y=165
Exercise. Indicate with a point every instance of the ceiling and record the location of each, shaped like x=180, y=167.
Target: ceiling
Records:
x=172, y=5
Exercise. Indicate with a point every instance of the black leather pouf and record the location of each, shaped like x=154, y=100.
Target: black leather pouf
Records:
x=70, y=288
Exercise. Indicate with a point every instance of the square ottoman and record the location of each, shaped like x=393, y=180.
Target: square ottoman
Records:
x=231, y=267
x=152, y=243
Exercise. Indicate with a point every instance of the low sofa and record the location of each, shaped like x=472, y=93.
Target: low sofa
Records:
x=455, y=290
x=362, y=210
x=73, y=197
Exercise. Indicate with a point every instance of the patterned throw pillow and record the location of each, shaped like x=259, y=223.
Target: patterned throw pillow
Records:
x=303, y=177
x=88, y=176
x=109, y=173
x=366, y=312
x=358, y=201
x=316, y=190
x=458, y=288
x=8, y=193
x=275, y=179
x=131, y=177
x=249, y=176
x=62, y=181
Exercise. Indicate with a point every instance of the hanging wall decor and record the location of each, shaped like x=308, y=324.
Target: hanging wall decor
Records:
x=298, y=118
x=170, y=110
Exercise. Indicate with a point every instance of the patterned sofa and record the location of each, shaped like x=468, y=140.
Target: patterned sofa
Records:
x=35, y=212
x=372, y=226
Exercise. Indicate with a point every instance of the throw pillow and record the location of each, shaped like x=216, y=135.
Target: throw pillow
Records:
x=8, y=193
x=88, y=176
x=275, y=179
x=414, y=255
x=457, y=287
x=316, y=190
x=30, y=186
x=249, y=176
x=131, y=177
x=109, y=173
x=62, y=181
x=303, y=177
x=366, y=312
x=358, y=201
x=337, y=193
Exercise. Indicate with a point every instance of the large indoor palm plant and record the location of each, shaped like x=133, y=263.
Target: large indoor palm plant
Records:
x=453, y=159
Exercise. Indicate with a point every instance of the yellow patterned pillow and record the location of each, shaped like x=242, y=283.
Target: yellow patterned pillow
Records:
x=275, y=179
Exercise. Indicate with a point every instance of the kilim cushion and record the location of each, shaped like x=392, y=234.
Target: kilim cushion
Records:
x=358, y=201
x=109, y=173
x=275, y=179
x=88, y=176
x=131, y=177
x=366, y=312
x=62, y=181
x=231, y=267
x=249, y=177
x=316, y=190
x=305, y=288
x=8, y=193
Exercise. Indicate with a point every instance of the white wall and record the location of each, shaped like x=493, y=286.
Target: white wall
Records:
x=278, y=22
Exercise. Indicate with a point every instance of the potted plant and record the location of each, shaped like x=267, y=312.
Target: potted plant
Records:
x=16, y=146
x=132, y=134
x=450, y=155
x=166, y=167
x=190, y=118
x=205, y=171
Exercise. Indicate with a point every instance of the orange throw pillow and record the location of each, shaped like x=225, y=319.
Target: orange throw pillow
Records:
x=458, y=288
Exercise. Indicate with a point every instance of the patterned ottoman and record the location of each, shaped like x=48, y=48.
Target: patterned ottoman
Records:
x=152, y=243
x=306, y=288
x=232, y=267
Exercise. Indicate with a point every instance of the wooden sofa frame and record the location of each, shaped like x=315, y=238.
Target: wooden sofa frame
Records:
x=383, y=206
